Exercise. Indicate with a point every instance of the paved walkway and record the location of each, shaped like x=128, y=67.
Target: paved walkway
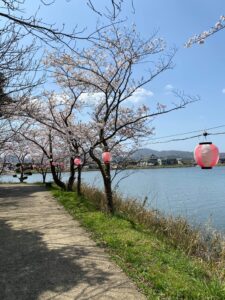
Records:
x=45, y=254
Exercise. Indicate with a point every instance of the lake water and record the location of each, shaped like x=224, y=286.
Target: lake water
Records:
x=198, y=195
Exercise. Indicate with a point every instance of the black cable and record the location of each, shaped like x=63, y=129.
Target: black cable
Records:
x=178, y=134
x=188, y=138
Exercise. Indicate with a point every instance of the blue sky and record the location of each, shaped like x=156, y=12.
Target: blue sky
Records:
x=198, y=70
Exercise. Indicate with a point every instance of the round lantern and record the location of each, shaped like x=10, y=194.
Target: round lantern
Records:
x=106, y=157
x=77, y=161
x=206, y=155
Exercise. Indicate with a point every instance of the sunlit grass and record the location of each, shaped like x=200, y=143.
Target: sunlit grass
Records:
x=160, y=270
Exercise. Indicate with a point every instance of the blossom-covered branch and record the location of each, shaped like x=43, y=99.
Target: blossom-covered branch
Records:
x=200, y=38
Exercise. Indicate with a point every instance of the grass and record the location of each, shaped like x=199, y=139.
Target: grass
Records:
x=160, y=270
x=200, y=242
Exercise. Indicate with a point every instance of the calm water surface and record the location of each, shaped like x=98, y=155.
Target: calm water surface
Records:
x=197, y=194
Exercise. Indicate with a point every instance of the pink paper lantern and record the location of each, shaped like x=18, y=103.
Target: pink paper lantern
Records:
x=77, y=161
x=106, y=157
x=206, y=155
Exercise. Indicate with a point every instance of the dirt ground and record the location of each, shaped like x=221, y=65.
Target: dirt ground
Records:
x=45, y=254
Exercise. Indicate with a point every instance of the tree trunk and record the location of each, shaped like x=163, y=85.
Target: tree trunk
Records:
x=43, y=177
x=108, y=188
x=106, y=175
x=72, y=176
x=79, y=181
x=21, y=179
x=53, y=170
x=56, y=179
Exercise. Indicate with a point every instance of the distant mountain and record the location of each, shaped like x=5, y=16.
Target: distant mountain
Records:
x=145, y=153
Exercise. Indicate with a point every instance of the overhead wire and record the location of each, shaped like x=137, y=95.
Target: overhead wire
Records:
x=185, y=133
x=188, y=138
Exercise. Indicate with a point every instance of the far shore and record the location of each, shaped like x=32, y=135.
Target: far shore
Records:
x=129, y=168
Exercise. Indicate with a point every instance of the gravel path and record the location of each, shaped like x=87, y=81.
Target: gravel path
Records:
x=45, y=254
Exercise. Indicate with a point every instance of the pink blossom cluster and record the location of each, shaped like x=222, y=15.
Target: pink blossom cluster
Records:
x=200, y=38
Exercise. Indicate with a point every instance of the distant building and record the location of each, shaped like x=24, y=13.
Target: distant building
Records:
x=131, y=163
x=148, y=161
x=185, y=161
x=180, y=161
x=222, y=160
x=153, y=160
x=167, y=161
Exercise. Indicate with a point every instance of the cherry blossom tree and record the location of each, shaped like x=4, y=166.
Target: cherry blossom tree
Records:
x=14, y=13
x=23, y=40
x=49, y=143
x=40, y=162
x=19, y=150
x=60, y=112
x=3, y=160
x=107, y=72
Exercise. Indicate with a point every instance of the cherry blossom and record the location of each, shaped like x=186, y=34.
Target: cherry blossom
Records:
x=200, y=38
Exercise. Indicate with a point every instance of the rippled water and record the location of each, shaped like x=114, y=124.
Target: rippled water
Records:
x=197, y=194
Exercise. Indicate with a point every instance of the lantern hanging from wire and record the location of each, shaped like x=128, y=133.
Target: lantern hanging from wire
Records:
x=206, y=155
x=106, y=157
x=77, y=161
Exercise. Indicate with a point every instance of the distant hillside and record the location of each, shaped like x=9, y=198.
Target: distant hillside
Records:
x=145, y=152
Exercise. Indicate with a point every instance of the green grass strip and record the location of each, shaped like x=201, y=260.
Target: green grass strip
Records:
x=159, y=270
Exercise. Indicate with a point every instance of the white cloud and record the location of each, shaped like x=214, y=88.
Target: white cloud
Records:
x=169, y=87
x=91, y=98
x=223, y=91
x=140, y=95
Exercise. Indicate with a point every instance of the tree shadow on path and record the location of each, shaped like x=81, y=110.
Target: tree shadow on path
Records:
x=28, y=268
x=19, y=191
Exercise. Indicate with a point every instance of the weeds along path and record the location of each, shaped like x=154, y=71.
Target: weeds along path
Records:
x=45, y=254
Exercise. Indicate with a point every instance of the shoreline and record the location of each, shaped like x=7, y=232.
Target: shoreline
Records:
x=130, y=168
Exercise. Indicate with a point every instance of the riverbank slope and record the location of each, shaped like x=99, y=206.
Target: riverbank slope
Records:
x=160, y=270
